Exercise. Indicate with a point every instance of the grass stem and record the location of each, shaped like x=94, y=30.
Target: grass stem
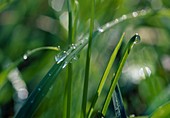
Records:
x=87, y=69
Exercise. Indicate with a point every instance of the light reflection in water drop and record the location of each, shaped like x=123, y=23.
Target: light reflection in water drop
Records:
x=25, y=56
x=135, y=14
x=145, y=72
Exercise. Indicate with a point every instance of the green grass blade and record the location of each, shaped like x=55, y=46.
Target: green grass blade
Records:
x=117, y=102
x=69, y=78
x=104, y=77
x=39, y=92
x=162, y=111
x=87, y=69
x=4, y=74
x=133, y=40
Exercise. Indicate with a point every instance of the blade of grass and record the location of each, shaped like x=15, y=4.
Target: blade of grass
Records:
x=4, y=74
x=104, y=77
x=118, y=103
x=76, y=11
x=88, y=56
x=69, y=78
x=133, y=40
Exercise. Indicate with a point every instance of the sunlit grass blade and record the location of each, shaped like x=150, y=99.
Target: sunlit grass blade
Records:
x=88, y=56
x=162, y=111
x=135, y=39
x=104, y=77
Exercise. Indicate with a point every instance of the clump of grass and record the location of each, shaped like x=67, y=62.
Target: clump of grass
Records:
x=65, y=57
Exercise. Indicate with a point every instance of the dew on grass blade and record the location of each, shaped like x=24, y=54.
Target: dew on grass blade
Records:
x=135, y=14
x=101, y=30
x=49, y=74
x=58, y=47
x=60, y=57
x=65, y=64
x=137, y=38
x=25, y=56
x=124, y=17
x=39, y=89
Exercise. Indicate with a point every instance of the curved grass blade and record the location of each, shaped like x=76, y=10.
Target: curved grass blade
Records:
x=88, y=56
x=4, y=74
x=69, y=78
x=135, y=39
x=162, y=111
x=56, y=68
x=39, y=92
x=104, y=77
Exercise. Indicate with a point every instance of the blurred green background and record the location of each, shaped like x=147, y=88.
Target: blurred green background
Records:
x=28, y=24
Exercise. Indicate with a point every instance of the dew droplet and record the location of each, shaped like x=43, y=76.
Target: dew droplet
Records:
x=137, y=38
x=39, y=89
x=124, y=17
x=116, y=21
x=58, y=47
x=135, y=14
x=108, y=24
x=75, y=57
x=51, y=88
x=100, y=30
x=73, y=46
x=60, y=57
x=25, y=56
x=65, y=64
x=49, y=74
x=143, y=12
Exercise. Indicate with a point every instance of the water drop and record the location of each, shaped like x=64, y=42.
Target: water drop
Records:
x=25, y=56
x=39, y=89
x=116, y=21
x=135, y=14
x=143, y=12
x=137, y=38
x=58, y=47
x=49, y=74
x=73, y=46
x=124, y=17
x=60, y=57
x=65, y=64
x=100, y=30
x=75, y=57
x=108, y=24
